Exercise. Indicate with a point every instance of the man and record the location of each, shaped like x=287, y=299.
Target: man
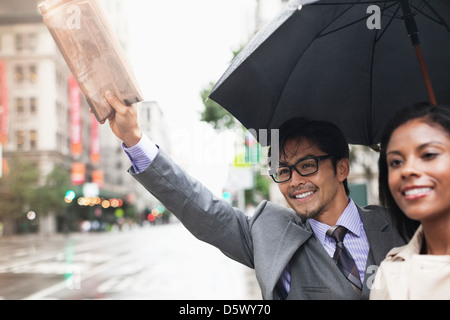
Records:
x=291, y=249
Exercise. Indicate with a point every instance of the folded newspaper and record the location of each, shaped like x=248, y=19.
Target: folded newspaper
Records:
x=92, y=51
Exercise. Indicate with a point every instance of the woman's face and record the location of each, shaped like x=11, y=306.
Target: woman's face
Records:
x=418, y=160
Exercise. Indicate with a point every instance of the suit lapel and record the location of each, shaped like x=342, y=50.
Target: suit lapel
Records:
x=293, y=237
x=378, y=233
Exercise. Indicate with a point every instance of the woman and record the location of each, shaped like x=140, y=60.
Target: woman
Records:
x=414, y=182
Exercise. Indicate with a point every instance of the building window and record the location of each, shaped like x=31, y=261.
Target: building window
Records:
x=20, y=139
x=32, y=73
x=33, y=106
x=26, y=42
x=18, y=73
x=59, y=78
x=20, y=106
x=33, y=139
x=32, y=41
x=19, y=42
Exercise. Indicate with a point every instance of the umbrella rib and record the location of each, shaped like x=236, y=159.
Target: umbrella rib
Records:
x=320, y=34
x=376, y=39
x=438, y=18
x=317, y=36
x=343, y=27
x=394, y=2
x=388, y=24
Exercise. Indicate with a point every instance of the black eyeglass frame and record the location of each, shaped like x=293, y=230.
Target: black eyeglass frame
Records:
x=294, y=166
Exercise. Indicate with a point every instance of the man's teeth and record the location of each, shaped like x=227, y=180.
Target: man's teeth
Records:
x=413, y=192
x=304, y=195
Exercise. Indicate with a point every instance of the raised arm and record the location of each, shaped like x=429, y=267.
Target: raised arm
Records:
x=207, y=217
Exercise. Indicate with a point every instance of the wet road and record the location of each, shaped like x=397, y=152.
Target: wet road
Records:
x=153, y=263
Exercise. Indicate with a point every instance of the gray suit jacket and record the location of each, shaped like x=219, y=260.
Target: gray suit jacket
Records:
x=266, y=241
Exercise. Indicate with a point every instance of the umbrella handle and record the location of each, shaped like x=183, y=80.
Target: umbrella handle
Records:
x=411, y=28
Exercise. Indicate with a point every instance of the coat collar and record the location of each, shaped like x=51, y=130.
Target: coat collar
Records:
x=378, y=232
x=294, y=237
x=405, y=252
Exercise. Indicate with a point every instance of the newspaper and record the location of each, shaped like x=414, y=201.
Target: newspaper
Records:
x=92, y=51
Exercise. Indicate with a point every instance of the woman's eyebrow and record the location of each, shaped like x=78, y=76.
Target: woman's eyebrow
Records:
x=422, y=146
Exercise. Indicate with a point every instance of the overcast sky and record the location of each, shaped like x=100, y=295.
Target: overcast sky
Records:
x=177, y=48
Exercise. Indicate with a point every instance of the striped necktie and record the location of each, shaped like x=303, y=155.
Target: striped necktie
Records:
x=343, y=258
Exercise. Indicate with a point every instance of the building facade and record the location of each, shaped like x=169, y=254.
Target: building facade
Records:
x=37, y=116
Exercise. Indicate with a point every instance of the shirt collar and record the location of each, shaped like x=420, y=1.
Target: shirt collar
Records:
x=349, y=218
x=413, y=247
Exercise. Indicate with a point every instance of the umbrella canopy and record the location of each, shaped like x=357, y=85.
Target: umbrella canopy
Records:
x=348, y=62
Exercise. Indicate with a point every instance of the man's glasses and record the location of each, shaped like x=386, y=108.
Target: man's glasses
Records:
x=304, y=167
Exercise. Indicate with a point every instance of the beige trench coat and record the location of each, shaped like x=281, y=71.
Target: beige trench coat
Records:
x=405, y=274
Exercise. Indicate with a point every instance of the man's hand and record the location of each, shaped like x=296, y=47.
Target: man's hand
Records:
x=124, y=122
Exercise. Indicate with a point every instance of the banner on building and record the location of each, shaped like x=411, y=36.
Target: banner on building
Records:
x=75, y=117
x=98, y=177
x=78, y=173
x=5, y=167
x=95, y=140
x=3, y=104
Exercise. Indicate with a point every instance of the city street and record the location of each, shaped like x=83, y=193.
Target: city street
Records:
x=152, y=263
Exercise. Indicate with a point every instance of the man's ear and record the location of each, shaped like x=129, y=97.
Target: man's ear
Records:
x=343, y=169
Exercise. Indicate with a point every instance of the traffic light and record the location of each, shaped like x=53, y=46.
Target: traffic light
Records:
x=226, y=195
x=70, y=195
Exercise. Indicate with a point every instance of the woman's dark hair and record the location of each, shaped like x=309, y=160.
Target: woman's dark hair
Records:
x=432, y=115
x=325, y=135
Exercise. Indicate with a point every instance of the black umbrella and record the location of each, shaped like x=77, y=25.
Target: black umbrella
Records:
x=349, y=62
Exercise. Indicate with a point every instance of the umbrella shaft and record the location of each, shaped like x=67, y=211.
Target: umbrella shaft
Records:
x=410, y=22
x=413, y=32
x=425, y=74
